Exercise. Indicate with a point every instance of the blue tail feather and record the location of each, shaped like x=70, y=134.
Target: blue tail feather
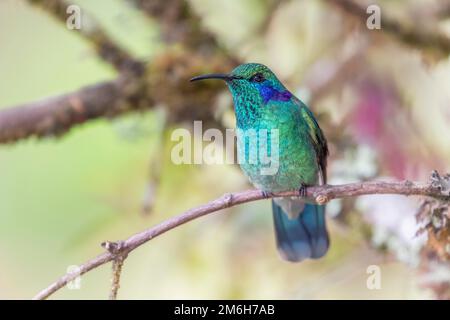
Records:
x=302, y=237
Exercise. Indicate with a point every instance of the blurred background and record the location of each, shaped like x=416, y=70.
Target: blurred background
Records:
x=382, y=97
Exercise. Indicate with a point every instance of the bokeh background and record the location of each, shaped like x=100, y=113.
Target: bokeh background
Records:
x=382, y=98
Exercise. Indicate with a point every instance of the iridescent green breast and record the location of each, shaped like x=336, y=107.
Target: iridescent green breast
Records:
x=295, y=162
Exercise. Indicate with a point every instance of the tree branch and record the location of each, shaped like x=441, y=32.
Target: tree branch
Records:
x=179, y=23
x=139, y=86
x=438, y=188
x=106, y=48
x=56, y=115
x=415, y=37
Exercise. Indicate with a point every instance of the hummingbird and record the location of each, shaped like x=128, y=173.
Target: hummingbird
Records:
x=262, y=102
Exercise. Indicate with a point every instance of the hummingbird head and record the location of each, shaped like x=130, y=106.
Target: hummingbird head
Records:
x=252, y=85
x=252, y=82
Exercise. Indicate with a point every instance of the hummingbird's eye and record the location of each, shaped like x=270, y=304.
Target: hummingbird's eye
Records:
x=259, y=77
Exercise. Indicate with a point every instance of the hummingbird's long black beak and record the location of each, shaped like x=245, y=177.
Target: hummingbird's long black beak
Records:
x=221, y=76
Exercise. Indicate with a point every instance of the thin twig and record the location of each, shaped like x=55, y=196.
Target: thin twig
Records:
x=117, y=271
x=321, y=194
x=115, y=249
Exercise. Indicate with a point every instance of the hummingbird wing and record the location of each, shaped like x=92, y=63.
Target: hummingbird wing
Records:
x=317, y=139
x=303, y=235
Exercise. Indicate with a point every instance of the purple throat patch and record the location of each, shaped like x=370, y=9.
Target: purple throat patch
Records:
x=270, y=93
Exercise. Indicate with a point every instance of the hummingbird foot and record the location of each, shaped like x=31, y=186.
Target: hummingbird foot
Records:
x=302, y=190
x=266, y=194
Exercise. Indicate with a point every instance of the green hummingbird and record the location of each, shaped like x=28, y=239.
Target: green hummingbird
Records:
x=262, y=103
